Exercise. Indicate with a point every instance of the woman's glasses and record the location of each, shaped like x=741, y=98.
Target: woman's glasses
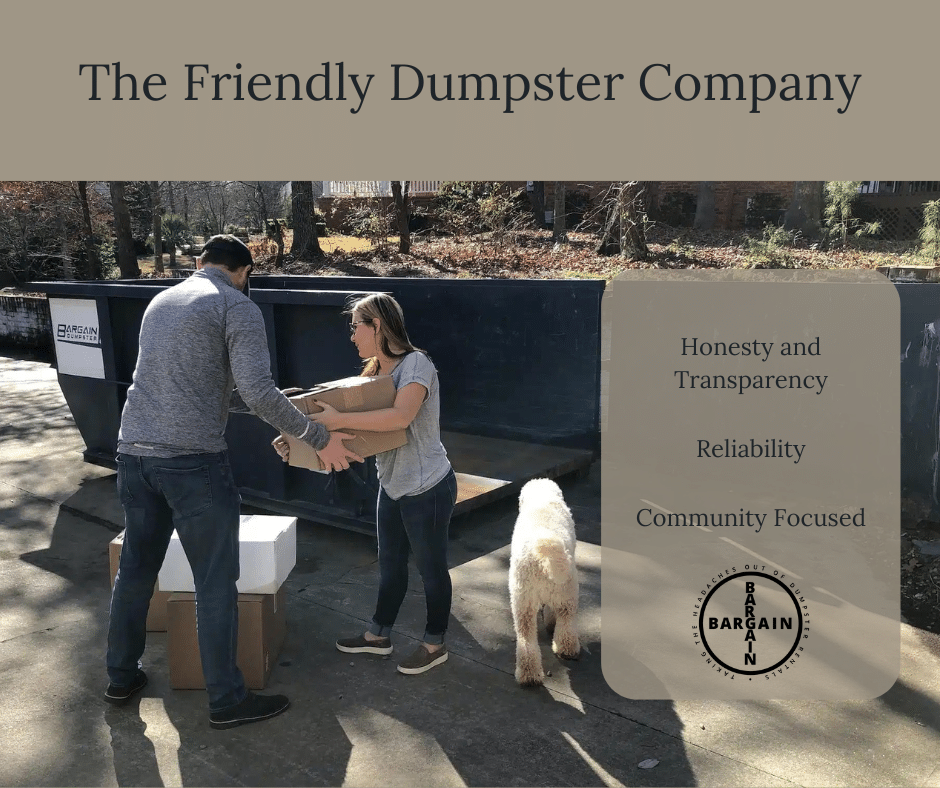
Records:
x=353, y=326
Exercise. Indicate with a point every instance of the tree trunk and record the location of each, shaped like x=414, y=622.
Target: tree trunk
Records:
x=275, y=230
x=157, y=226
x=305, y=245
x=537, y=201
x=609, y=243
x=559, y=230
x=804, y=213
x=92, y=261
x=127, y=260
x=400, y=193
x=624, y=232
x=65, y=259
x=705, y=210
x=632, y=221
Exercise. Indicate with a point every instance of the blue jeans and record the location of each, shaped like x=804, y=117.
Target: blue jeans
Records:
x=418, y=523
x=195, y=494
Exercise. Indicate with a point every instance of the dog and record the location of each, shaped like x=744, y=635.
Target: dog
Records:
x=543, y=577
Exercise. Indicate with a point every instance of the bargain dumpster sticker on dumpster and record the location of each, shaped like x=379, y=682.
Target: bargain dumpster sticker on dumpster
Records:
x=751, y=485
x=77, y=336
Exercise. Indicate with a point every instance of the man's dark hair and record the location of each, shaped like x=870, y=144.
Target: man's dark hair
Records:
x=226, y=250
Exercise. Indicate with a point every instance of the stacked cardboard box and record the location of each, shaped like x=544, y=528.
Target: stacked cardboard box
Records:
x=156, y=617
x=262, y=624
x=349, y=395
x=267, y=554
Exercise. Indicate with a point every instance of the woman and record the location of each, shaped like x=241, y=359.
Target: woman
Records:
x=418, y=488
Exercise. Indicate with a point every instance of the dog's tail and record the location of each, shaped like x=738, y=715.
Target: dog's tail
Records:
x=554, y=559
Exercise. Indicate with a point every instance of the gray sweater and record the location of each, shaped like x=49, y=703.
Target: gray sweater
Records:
x=198, y=340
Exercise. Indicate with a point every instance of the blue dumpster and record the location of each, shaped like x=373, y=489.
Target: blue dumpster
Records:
x=519, y=364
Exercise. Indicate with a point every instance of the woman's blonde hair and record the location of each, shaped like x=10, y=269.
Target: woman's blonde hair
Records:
x=391, y=326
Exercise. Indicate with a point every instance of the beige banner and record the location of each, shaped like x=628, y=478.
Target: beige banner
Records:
x=363, y=90
x=750, y=515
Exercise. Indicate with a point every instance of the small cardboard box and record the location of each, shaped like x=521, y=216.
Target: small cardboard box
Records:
x=262, y=624
x=156, y=616
x=267, y=552
x=349, y=395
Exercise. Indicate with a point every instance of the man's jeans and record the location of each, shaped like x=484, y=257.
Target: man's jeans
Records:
x=196, y=495
x=421, y=523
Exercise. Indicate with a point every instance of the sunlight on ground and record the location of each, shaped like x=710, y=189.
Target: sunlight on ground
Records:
x=559, y=686
x=165, y=738
x=382, y=745
x=605, y=776
x=347, y=243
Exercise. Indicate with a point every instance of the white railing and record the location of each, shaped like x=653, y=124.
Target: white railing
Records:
x=878, y=187
x=375, y=188
x=898, y=187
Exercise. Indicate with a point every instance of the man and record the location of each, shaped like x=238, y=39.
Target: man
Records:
x=197, y=339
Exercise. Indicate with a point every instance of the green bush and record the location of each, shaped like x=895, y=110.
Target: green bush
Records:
x=839, y=219
x=929, y=232
x=772, y=249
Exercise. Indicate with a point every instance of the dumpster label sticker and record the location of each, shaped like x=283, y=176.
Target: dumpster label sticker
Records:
x=77, y=336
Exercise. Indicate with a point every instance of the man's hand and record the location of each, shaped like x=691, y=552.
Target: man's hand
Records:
x=282, y=447
x=335, y=456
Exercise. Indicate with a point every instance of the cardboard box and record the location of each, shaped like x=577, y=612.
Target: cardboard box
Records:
x=156, y=616
x=349, y=395
x=267, y=552
x=262, y=624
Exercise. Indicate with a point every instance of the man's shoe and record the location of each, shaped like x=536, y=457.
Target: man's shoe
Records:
x=118, y=696
x=253, y=708
x=422, y=660
x=359, y=645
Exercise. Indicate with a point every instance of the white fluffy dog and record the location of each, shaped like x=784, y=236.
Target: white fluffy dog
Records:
x=543, y=576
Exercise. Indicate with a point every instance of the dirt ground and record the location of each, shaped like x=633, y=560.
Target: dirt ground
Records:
x=920, y=573
x=530, y=254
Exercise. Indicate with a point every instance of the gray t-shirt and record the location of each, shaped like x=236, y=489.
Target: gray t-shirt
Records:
x=422, y=462
x=197, y=340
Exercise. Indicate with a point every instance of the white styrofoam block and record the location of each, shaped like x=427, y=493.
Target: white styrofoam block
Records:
x=267, y=547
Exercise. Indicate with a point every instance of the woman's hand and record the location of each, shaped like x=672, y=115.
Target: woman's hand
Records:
x=329, y=417
x=282, y=447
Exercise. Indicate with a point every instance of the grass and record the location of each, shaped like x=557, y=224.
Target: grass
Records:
x=349, y=243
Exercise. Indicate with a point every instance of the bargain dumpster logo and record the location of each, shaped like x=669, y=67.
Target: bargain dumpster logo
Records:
x=751, y=623
x=78, y=336
x=86, y=336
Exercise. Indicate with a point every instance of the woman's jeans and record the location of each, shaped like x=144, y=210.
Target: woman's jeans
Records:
x=195, y=494
x=419, y=523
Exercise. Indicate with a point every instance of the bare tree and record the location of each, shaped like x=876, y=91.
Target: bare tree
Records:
x=208, y=205
x=157, y=209
x=127, y=260
x=92, y=261
x=305, y=245
x=262, y=200
x=400, y=194
x=559, y=230
x=624, y=230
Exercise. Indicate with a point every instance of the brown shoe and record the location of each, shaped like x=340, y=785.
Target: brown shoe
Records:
x=360, y=645
x=422, y=660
